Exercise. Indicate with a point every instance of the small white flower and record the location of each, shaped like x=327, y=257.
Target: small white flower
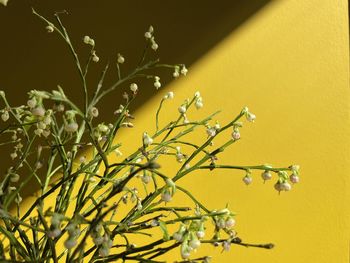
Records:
x=199, y=103
x=286, y=186
x=182, y=109
x=200, y=234
x=46, y=133
x=166, y=196
x=147, y=140
x=184, y=70
x=294, y=178
x=82, y=159
x=13, y=155
x=14, y=178
x=157, y=84
x=120, y=59
x=133, y=87
x=148, y=35
x=221, y=223
x=230, y=222
x=178, y=236
x=185, y=254
x=176, y=73
x=31, y=103
x=211, y=132
x=247, y=180
x=41, y=125
x=5, y=116
x=154, y=46
x=197, y=94
x=266, y=175
x=38, y=131
x=38, y=111
x=226, y=245
x=95, y=58
x=169, y=95
x=250, y=117
x=151, y=29
x=236, y=135
x=86, y=40
x=194, y=243
x=71, y=127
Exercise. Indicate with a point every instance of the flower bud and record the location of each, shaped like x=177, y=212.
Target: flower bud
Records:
x=133, y=87
x=266, y=175
x=247, y=179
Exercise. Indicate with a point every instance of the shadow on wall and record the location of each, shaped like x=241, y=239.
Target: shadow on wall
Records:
x=33, y=59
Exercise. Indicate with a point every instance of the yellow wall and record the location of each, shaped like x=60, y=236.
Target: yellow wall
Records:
x=289, y=63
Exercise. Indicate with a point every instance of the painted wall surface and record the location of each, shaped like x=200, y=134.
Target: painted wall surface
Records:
x=289, y=63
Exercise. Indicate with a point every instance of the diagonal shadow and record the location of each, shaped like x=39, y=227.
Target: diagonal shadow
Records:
x=32, y=59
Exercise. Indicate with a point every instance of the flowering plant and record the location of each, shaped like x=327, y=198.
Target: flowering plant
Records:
x=98, y=208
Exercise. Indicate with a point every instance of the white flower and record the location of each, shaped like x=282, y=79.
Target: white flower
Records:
x=120, y=59
x=185, y=254
x=182, y=109
x=199, y=103
x=236, y=135
x=71, y=127
x=294, y=178
x=230, y=222
x=13, y=155
x=148, y=35
x=197, y=94
x=31, y=103
x=169, y=95
x=247, y=180
x=184, y=70
x=157, y=84
x=5, y=116
x=178, y=236
x=176, y=73
x=133, y=87
x=147, y=140
x=200, y=234
x=38, y=111
x=154, y=46
x=211, y=132
x=46, y=133
x=226, y=245
x=250, y=117
x=95, y=58
x=266, y=175
x=86, y=40
x=221, y=223
x=194, y=243
x=286, y=186
x=38, y=131
x=166, y=196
